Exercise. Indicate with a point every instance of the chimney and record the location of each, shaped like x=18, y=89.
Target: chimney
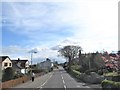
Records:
x=18, y=58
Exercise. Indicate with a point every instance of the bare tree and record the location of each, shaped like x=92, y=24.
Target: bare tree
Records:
x=70, y=52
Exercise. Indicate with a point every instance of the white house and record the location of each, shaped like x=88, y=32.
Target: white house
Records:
x=5, y=62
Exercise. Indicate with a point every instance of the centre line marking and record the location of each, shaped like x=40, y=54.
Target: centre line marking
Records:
x=65, y=87
x=62, y=77
x=63, y=82
x=45, y=82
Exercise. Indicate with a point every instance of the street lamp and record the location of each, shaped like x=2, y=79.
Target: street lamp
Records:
x=32, y=56
x=32, y=52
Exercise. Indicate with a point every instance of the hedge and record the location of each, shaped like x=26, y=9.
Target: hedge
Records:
x=75, y=73
x=110, y=84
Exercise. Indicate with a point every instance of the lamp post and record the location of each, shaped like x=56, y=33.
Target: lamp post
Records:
x=31, y=61
x=32, y=52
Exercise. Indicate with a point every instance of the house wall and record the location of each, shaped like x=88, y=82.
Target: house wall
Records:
x=23, y=71
x=45, y=65
x=27, y=64
x=27, y=67
x=8, y=61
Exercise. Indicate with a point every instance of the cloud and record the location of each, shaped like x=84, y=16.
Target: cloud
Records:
x=52, y=25
x=23, y=52
x=43, y=20
x=13, y=49
x=57, y=47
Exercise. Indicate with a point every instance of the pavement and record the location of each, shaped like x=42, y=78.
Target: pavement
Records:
x=57, y=79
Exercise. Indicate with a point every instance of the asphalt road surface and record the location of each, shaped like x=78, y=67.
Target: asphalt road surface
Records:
x=57, y=79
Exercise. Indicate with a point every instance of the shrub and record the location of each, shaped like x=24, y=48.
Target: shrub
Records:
x=89, y=71
x=105, y=83
x=100, y=72
x=75, y=67
x=37, y=71
x=46, y=70
x=18, y=75
x=75, y=73
x=83, y=68
x=112, y=84
x=8, y=74
x=111, y=74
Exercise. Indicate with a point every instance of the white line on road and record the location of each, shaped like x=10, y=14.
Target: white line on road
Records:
x=62, y=77
x=63, y=82
x=65, y=87
x=45, y=82
x=77, y=86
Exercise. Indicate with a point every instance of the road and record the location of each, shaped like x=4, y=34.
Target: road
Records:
x=56, y=79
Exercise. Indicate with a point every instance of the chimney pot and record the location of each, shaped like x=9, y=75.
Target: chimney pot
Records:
x=18, y=58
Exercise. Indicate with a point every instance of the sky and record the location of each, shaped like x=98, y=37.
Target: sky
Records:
x=47, y=26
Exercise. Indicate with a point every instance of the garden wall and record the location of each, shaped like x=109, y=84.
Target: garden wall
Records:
x=14, y=82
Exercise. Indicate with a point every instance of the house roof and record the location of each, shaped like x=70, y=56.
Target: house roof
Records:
x=2, y=58
x=19, y=63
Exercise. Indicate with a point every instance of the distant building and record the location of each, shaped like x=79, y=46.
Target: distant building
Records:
x=46, y=64
x=5, y=62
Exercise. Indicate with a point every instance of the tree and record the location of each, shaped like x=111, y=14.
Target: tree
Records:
x=70, y=52
x=81, y=59
x=118, y=52
x=8, y=74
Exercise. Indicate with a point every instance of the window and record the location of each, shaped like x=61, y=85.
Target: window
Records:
x=10, y=64
x=5, y=64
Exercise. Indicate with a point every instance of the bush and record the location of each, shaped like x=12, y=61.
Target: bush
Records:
x=46, y=70
x=75, y=73
x=83, y=68
x=37, y=71
x=18, y=75
x=114, y=76
x=107, y=84
x=111, y=74
x=75, y=67
x=8, y=74
x=89, y=71
x=100, y=72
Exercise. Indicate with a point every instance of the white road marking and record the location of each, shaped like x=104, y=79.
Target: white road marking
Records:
x=65, y=87
x=63, y=82
x=77, y=86
x=40, y=88
x=45, y=82
x=62, y=78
